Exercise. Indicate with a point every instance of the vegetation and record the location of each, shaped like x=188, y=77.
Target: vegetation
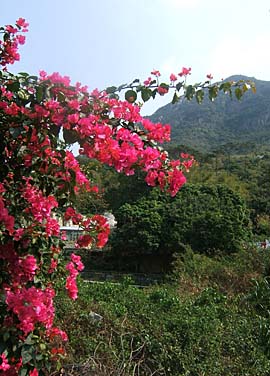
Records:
x=211, y=319
x=209, y=218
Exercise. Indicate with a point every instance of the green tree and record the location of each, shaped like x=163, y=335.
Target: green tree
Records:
x=211, y=219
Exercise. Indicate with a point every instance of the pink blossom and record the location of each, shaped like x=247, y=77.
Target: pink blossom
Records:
x=156, y=73
x=209, y=76
x=22, y=23
x=53, y=266
x=52, y=227
x=184, y=72
x=10, y=29
x=176, y=180
x=71, y=287
x=18, y=234
x=32, y=306
x=28, y=264
x=77, y=261
x=56, y=332
x=148, y=81
x=151, y=177
x=84, y=241
x=162, y=90
x=34, y=372
x=6, y=219
x=173, y=77
x=20, y=39
x=4, y=366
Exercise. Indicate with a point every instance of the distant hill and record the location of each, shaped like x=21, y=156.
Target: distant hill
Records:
x=226, y=123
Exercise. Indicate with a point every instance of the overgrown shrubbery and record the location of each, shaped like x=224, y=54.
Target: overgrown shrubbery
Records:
x=198, y=325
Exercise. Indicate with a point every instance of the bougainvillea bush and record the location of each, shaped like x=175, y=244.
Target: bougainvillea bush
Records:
x=39, y=118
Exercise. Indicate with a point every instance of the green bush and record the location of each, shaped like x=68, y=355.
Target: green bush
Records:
x=210, y=219
x=231, y=274
x=156, y=331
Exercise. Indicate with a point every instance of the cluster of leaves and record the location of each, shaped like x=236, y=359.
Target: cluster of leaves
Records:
x=152, y=87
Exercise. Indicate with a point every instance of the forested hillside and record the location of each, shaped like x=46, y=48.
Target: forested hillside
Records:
x=238, y=126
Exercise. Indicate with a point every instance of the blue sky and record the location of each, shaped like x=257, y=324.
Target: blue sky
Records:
x=103, y=42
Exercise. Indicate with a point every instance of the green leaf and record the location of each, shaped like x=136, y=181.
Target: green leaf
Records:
x=190, y=91
x=23, y=94
x=114, y=95
x=246, y=87
x=121, y=87
x=15, y=132
x=14, y=86
x=179, y=86
x=32, y=78
x=23, y=371
x=55, y=129
x=111, y=89
x=61, y=96
x=131, y=96
x=226, y=87
x=42, y=346
x=6, y=336
x=212, y=92
x=146, y=94
x=29, y=340
x=39, y=357
x=199, y=96
x=154, y=93
x=175, y=98
x=6, y=37
x=39, y=93
x=24, y=74
x=70, y=136
x=238, y=93
x=27, y=353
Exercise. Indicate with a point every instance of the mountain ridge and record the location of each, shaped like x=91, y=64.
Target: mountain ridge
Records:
x=223, y=123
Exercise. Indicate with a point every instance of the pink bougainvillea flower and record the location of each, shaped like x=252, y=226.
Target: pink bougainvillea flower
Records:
x=156, y=73
x=34, y=372
x=162, y=90
x=22, y=23
x=173, y=77
x=148, y=81
x=4, y=366
x=184, y=72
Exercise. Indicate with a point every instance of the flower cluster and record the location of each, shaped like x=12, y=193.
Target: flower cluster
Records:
x=73, y=267
x=11, y=40
x=31, y=306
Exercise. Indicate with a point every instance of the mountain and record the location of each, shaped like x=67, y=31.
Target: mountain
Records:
x=226, y=123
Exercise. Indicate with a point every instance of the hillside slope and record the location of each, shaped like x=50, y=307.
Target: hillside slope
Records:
x=224, y=123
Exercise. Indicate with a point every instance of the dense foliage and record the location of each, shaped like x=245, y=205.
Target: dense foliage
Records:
x=209, y=218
